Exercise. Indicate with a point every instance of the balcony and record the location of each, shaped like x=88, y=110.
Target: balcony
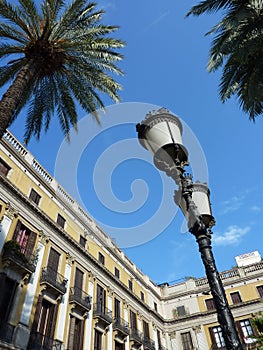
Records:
x=136, y=337
x=54, y=282
x=148, y=343
x=80, y=300
x=102, y=316
x=39, y=341
x=121, y=328
x=15, y=260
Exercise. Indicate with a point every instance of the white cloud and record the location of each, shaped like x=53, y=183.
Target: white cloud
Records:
x=232, y=204
x=232, y=235
x=255, y=209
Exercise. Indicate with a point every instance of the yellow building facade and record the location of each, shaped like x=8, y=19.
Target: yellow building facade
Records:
x=66, y=285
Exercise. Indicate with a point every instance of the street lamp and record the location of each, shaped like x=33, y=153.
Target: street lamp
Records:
x=161, y=134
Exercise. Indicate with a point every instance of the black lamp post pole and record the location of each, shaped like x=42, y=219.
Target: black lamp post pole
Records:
x=160, y=133
x=203, y=239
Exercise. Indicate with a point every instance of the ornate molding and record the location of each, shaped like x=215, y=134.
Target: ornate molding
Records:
x=43, y=237
x=69, y=259
x=11, y=212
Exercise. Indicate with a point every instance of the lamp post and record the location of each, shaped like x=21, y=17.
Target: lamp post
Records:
x=161, y=134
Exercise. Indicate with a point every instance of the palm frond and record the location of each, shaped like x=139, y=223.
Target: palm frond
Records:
x=31, y=16
x=8, y=72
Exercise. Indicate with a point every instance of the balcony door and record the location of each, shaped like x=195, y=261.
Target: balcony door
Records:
x=25, y=238
x=101, y=298
x=78, y=284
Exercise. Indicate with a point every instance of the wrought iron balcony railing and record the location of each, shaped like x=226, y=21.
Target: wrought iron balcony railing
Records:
x=14, y=258
x=54, y=280
x=39, y=341
x=101, y=312
x=82, y=299
x=136, y=335
x=121, y=325
x=148, y=343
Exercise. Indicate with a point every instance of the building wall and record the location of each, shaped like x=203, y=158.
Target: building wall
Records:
x=61, y=288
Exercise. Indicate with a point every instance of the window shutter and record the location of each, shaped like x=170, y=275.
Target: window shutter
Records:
x=30, y=244
x=37, y=314
x=53, y=259
x=17, y=229
x=78, y=278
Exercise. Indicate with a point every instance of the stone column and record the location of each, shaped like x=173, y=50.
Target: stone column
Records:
x=110, y=306
x=10, y=215
x=126, y=318
x=62, y=314
x=88, y=321
x=22, y=333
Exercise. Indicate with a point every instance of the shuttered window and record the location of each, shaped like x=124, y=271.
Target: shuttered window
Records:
x=82, y=241
x=53, y=259
x=101, y=297
x=130, y=284
x=142, y=296
x=187, y=341
x=76, y=334
x=133, y=320
x=260, y=291
x=61, y=221
x=101, y=258
x=25, y=238
x=145, y=326
x=47, y=322
x=97, y=340
x=78, y=278
x=117, y=272
x=210, y=304
x=117, y=308
x=34, y=196
x=235, y=297
x=4, y=167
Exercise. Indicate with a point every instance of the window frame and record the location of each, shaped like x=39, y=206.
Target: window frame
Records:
x=235, y=297
x=101, y=258
x=6, y=166
x=34, y=196
x=187, y=341
x=61, y=221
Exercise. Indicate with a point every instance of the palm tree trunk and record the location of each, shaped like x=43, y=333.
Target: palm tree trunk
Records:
x=12, y=97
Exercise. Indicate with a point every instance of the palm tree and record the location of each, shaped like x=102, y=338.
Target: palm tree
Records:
x=59, y=57
x=238, y=47
x=257, y=322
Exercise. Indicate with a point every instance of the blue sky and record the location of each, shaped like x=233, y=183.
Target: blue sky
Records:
x=111, y=174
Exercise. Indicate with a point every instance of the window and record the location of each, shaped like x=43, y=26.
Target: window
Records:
x=130, y=284
x=61, y=221
x=44, y=323
x=78, y=280
x=245, y=330
x=217, y=337
x=210, y=304
x=260, y=291
x=97, y=340
x=4, y=167
x=101, y=258
x=53, y=261
x=142, y=296
x=8, y=289
x=181, y=311
x=235, y=297
x=133, y=320
x=82, y=241
x=145, y=327
x=34, y=196
x=117, y=308
x=187, y=341
x=76, y=334
x=119, y=346
x=101, y=298
x=117, y=272
x=155, y=306
x=25, y=238
x=159, y=342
